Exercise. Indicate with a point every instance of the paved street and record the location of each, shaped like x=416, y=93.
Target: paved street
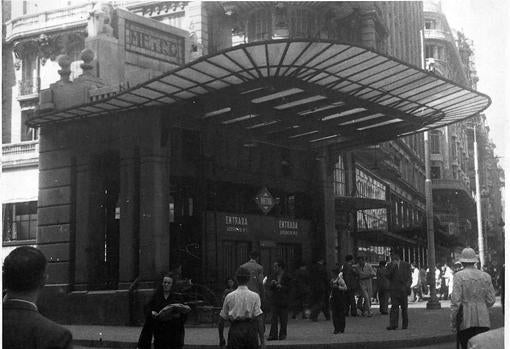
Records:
x=426, y=328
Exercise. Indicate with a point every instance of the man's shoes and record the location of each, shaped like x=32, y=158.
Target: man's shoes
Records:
x=384, y=312
x=404, y=327
x=389, y=328
x=271, y=338
x=282, y=338
x=336, y=331
x=314, y=320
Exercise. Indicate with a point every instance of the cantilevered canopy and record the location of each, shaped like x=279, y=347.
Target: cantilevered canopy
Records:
x=298, y=92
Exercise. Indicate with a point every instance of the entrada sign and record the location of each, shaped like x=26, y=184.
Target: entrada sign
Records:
x=288, y=227
x=265, y=200
x=237, y=224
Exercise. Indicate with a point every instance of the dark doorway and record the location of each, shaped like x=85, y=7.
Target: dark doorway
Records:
x=104, y=222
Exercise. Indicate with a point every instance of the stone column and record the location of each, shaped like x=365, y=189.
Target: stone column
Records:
x=154, y=194
x=328, y=205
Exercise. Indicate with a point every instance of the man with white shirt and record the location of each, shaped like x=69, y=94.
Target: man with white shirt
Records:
x=415, y=285
x=242, y=309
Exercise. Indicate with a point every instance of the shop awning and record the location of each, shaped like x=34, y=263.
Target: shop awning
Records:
x=297, y=93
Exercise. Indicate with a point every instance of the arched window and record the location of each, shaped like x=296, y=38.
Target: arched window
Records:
x=259, y=26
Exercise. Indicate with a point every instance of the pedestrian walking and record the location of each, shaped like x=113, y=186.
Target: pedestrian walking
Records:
x=242, y=309
x=279, y=284
x=165, y=318
x=448, y=276
x=301, y=291
x=338, y=301
x=415, y=283
x=256, y=270
x=383, y=288
x=366, y=274
x=423, y=282
x=319, y=286
x=24, y=276
x=399, y=274
x=351, y=278
x=474, y=293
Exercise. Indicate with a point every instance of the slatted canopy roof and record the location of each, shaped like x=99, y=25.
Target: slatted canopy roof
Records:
x=297, y=93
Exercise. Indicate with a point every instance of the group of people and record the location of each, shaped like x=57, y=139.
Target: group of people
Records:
x=24, y=275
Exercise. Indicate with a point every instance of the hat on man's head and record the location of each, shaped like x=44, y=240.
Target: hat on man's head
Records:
x=243, y=272
x=468, y=255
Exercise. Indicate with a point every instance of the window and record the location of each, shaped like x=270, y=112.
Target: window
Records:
x=19, y=221
x=301, y=23
x=453, y=148
x=435, y=172
x=429, y=51
x=339, y=178
x=430, y=24
x=259, y=27
x=435, y=142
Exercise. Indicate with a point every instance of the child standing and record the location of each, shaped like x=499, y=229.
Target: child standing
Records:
x=338, y=303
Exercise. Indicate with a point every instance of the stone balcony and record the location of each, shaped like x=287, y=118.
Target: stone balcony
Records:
x=33, y=24
x=20, y=154
x=438, y=34
x=451, y=184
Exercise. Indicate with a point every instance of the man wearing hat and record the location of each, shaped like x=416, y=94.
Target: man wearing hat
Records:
x=242, y=309
x=473, y=295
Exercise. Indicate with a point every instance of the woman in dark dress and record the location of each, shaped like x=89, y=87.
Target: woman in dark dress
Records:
x=165, y=319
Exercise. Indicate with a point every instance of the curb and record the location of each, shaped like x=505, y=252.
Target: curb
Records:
x=387, y=344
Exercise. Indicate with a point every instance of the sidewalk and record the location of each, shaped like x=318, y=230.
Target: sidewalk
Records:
x=425, y=327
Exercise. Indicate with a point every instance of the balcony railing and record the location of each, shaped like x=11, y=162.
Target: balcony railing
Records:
x=455, y=184
x=43, y=21
x=438, y=34
x=20, y=153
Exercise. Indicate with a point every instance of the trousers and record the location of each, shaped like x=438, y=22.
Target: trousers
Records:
x=398, y=300
x=278, y=315
x=243, y=335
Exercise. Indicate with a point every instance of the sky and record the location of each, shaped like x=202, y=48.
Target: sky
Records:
x=486, y=22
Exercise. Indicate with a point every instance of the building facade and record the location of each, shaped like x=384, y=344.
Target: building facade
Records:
x=213, y=131
x=449, y=53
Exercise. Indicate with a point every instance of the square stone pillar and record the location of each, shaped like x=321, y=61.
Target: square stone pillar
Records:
x=154, y=197
x=326, y=168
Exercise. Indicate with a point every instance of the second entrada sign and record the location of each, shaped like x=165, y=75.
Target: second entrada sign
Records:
x=265, y=200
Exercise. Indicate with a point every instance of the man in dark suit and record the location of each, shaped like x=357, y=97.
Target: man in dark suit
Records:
x=279, y=285
x=351, y=278
x=24, y=275
x=399, y=275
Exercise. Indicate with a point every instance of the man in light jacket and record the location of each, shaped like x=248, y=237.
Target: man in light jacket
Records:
x=473, y=289
x=366, y=274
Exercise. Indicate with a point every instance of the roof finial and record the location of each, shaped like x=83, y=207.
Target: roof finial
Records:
x=64, y=62
x=87, y=55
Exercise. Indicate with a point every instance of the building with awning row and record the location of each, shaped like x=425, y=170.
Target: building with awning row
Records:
x=262, y=126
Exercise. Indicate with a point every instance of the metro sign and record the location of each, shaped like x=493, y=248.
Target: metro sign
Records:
x=265, y=200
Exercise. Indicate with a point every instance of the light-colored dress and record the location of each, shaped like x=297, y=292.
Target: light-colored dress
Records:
x=473, y=289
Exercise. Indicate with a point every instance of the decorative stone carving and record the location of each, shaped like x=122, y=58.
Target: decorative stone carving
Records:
x=100, y=20
x=65, y=64
x=87, y=77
